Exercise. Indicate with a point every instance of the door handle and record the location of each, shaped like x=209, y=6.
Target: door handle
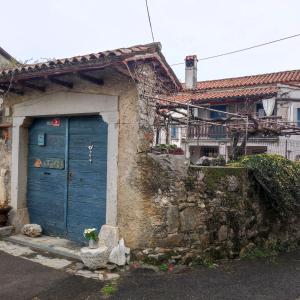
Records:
x=70, y=176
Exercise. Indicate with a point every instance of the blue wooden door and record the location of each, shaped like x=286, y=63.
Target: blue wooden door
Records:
x=46, y=186
x=66, y=190
x=87, y=175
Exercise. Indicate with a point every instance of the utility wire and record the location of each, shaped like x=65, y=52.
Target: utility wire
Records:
x=149, y=19
x=244, y=49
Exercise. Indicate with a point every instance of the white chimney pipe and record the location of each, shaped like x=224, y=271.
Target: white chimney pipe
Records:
x=191, y=71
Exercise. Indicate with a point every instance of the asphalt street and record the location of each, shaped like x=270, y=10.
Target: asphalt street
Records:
x=255, y=279
x=260, y=279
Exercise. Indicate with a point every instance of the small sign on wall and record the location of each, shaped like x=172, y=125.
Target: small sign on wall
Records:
x=55, y=122
x=41, y=139
x=52, y=163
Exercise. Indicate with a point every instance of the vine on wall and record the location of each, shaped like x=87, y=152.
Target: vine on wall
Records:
x=279, y=179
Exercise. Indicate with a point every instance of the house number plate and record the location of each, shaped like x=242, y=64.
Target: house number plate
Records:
x=54, y=163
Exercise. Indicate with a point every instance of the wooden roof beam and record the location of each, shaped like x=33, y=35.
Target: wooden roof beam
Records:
x=33, y=86
x=59, y=81
x=90, y=78
x=12, y=90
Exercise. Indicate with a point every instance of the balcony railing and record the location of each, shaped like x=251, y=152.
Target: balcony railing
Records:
x=207, y=131
x=211, y=131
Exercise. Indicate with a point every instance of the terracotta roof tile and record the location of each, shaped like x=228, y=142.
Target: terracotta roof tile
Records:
x=93, y=60
x=262, y=85
x=225, y=94
x=121, y=52
x=261, y=79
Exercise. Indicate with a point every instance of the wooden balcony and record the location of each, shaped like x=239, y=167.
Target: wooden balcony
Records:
x=207, y=131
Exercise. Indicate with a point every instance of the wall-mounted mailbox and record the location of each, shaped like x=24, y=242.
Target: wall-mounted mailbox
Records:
x=41, y=139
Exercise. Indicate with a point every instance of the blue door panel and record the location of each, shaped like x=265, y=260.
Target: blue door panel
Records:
x=35, y=152
x=87, y=187
x=68, y=199
x=45, y=191
x=55, y=140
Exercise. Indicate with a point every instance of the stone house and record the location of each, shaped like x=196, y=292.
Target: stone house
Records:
x=76, y=130
x=5, y=58
x=273, y=94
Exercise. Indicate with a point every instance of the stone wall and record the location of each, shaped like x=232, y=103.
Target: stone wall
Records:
x=5, y=159
x=193, y=212
x=132, y=203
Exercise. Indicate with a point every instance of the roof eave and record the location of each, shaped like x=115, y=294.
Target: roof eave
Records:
x=64, y=66
x=234, y=98
x=6, y=55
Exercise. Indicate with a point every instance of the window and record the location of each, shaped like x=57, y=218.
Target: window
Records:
x=209, y=151
x=174, y=132
x=298, y=117
x=260, y=110
x=218, y=114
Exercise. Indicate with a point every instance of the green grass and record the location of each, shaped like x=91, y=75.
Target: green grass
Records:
x=209, y=263
x=109, y=289
x=258, y=253
x=164, y=267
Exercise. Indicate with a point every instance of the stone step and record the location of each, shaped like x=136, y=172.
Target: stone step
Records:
x=6, y=231
x=52, y=245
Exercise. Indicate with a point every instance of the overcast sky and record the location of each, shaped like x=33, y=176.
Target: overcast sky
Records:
x=61, y=28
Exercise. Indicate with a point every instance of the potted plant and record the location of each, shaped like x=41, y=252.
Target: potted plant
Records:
x=91, y=235
x=167, y=149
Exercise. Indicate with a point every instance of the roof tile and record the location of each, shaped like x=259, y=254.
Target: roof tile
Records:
x=150, y=51
x=248, y=86
x=278, y=77
x=224, y=94
x=78, y=59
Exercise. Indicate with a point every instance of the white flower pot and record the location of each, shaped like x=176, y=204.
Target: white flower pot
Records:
x=95, y=258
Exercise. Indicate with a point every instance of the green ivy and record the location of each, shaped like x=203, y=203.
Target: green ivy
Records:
x=279, y=179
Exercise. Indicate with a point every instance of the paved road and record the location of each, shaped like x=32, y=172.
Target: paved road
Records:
x=239, y=280
x=259, y=279
x=22, y=279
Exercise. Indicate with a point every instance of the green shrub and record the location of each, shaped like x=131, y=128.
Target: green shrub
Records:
x=166, y=147
x=279, y=179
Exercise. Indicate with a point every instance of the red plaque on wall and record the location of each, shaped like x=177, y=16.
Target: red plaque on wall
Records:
x=55, y=122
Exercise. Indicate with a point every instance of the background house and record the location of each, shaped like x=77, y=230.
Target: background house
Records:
x=275, y=94
x=5, y=58
x=5, y=61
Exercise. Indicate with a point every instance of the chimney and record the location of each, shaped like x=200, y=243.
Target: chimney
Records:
x=191, y=71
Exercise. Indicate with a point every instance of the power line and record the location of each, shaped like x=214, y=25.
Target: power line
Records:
x=244, y=49
x=149, y=19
